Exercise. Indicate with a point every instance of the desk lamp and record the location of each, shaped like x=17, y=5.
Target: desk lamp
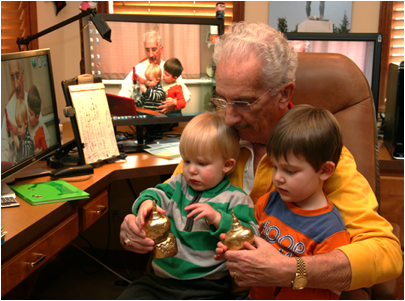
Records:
x=102, y=27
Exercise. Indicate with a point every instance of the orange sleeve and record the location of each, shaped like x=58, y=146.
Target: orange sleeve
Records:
x=181, y=102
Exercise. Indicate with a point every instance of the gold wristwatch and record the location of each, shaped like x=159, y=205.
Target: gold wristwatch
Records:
x=300, y=280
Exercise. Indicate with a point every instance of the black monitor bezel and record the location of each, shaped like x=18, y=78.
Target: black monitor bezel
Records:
x=50, y=150
x=171, y=118
x=377, y=38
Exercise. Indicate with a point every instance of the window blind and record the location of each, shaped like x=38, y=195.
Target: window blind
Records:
x=397, y=33
x=16, y=22
x=200, y=9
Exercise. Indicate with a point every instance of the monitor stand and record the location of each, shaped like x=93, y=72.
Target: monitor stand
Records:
x=63, y=157
x=139, y=146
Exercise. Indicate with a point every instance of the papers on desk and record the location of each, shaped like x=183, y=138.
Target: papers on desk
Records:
x=94, y=123
x=165, y=148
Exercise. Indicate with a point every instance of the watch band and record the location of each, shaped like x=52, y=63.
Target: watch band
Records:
x=300, y=280
x=301, y=266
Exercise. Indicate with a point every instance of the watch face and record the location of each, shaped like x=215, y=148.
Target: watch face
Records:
x=300, y=282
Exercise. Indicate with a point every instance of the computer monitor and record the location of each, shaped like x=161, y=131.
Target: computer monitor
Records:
x=191, y=40
x=29, y=119
x=362, y=48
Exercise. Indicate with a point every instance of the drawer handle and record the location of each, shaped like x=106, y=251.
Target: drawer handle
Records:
x=41, y=258
x=98, y=212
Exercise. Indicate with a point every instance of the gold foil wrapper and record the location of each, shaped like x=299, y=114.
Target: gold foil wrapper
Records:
x=157, y=227
x=238, y=235
x=166, y=248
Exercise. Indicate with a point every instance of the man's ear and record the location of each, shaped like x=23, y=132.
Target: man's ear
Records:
x=286, y=94
x=228, y=165
x=175, y=77
x=327, y=170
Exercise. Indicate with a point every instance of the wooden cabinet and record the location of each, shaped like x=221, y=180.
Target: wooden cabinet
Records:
x=94, y=210
x=30, y=259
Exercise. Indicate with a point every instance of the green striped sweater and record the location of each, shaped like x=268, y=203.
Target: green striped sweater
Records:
x=196, y=249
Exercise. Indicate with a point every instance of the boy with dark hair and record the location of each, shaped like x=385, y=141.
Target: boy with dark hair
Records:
x=37, y=130
x=172, y=69
x=297, y=218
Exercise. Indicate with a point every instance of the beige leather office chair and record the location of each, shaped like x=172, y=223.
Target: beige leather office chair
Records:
x=334, y=82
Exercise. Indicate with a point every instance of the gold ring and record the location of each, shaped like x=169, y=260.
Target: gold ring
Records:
x=234, y=275
x=127, y=241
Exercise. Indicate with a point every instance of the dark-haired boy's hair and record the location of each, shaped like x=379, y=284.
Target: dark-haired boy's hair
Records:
x=34, y=100
x=173, y=66
x=306, y=131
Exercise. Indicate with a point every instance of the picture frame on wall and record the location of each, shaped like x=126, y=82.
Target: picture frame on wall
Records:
x=310, y=16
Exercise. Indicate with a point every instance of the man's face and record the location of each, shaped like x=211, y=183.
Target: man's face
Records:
x=153, y=50
x=241, y=82
x=17, y=79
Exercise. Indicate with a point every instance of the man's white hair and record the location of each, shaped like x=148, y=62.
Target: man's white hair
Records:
x=245, y=41
x=153, y=33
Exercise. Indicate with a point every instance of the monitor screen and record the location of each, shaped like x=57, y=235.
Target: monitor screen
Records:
x=191, y=40
x=29, y=121
x=362, y=48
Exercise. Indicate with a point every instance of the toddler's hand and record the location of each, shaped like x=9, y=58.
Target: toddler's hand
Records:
x=204, y=210
x=143, y=88
x=221, y=248
x=144, y=210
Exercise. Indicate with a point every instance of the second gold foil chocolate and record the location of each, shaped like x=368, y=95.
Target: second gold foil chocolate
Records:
x=238, y=235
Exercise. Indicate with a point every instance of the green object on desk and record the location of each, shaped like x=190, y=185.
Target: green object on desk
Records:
x=49, y=192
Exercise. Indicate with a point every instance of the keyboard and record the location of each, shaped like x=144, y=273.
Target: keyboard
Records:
x=9, y=202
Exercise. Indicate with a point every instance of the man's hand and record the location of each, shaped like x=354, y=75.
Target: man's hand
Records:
x=167, y=106
x=262, y=265
x=171, y=101
x=138, y=242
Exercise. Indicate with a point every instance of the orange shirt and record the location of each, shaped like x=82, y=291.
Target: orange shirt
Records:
x=297, y=232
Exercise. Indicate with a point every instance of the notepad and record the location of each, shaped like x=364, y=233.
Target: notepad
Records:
x=49, y=192
x=93, y=117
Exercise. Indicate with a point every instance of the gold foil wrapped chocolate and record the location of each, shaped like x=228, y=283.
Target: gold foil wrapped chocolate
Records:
x=238, y=235
x=157, y=227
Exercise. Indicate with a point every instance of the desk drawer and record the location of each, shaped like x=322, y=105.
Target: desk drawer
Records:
x=29, y=260
x=92, y=211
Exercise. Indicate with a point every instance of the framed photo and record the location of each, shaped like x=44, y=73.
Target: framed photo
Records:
x=289, y=14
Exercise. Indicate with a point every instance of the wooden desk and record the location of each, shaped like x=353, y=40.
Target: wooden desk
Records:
x=36, y=233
